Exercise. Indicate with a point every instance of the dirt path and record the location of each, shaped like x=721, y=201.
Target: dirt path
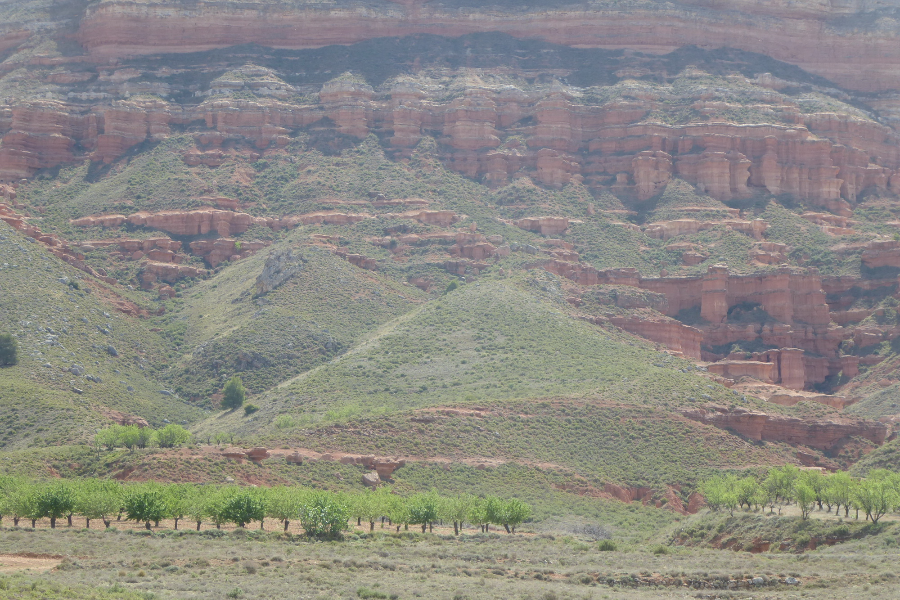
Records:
x=28, y=561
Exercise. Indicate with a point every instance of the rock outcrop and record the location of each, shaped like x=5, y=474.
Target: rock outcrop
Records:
x=816, y=433
x=280, y=266
x=830, y=40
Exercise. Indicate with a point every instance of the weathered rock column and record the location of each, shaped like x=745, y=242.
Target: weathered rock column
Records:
x=714, y=301
x=791, y=368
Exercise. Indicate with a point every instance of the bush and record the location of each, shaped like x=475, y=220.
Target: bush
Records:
x=234, y=393
x=606, y=546
x=249, y=409
x=9, y=350
x=172, y=435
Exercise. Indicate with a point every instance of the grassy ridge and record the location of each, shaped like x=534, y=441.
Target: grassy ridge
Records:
x=313, y=317
x=490, y=340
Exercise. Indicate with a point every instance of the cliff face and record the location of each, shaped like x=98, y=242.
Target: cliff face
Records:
x=832, y=40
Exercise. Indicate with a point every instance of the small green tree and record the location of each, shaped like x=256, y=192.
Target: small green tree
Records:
x=244, y=507
x=9, y=350
x=368, y=506
x=110, y=437
x=129, y=436
x=805, y=496
x=456, y=509
x=876, y=494
x=324, y=514
x=423, y=510
x=145, y=503
x=172, y=435
x=283, y=504
x=234, y=393
x=54, y=501
x=515, y=512
x=98, y=499
x=178, y=500
x=839, y=488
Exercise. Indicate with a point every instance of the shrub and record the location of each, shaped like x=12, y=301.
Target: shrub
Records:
x=249, y=409
x=234, y=393
x=606, y=546
x=9, y=350
x=172, y=435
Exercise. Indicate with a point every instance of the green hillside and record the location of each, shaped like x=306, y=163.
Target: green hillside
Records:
x=78, y=355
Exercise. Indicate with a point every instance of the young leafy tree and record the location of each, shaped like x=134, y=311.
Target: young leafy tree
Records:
x=172, y=435
x=283, y=504
x=398, y=511
x=23, y=502
x=746, y=490
x=368, y=506
x=513, y=512
x=234, y=393
x=145, y=437
x=244, y=507
x=197, y=506
x=146, y=503
x=816, y=482
x=54, y=501
x=178, y=500
x=324, y=514
x=478, y=514
x=876, y=494
x=721, y=492
x=456, y=509
x=805, y=496
x=9, y=350
x=839, y=489
x=110, y=437
x=216, y=500
x=423, y=510
x=129, y=436
x=98, y=499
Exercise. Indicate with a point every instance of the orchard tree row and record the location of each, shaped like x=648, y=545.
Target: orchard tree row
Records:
x=319, y=513
x=875, y=495
x=132, y=436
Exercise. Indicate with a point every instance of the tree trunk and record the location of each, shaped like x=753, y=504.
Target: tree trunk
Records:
x=507, y=528
x=455, y=528
x=176, y=523
x=147, y=525
x=371, y=526
x=431, y=528
x=87, y=523
x=286, y=523
x=424, y=525
x=119, y=518
x=262, y=524
x=398, y=528
x=218, y=526
x=198, y=525
x=33, y=523
x=15, y=521
x=69, y=517
x=52, y=522
x=358, y=521
x=156, y=523
x=107, y=523
x=382, y=522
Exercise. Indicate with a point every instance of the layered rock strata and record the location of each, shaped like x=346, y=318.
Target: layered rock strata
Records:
x=820, y=434
x=824, y=39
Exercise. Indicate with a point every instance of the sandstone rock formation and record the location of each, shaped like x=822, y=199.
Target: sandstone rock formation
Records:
x=785, y=31
x=819, y=434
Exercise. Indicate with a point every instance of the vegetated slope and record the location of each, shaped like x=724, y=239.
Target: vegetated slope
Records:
x=490, y=340
x=885, y=457
x=78, y=355
x=316, y=315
